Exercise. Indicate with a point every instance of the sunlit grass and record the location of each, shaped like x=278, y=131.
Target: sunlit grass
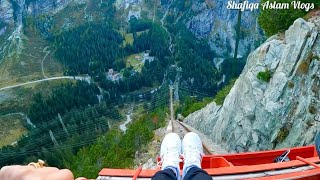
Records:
x=135, y=61
x=11, y=129
x=25, y=66
x=129, y=39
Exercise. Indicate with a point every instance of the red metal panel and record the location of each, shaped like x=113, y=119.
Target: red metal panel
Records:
x=257, y=168
x=313, y=174
x=126, y=172
x=307, y=162
x=239, y=163
x=217, y=162
x=136, y=175
x=261, y=157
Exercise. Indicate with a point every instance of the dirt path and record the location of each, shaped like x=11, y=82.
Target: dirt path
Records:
x=23, y=115
x=80, y=78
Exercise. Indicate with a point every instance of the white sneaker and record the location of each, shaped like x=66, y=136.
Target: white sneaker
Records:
x=192, y=151
x=170, y=153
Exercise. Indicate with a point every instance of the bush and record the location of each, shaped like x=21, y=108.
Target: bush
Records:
x=265, y=75
x=222, y=94
x=290, y=84
x=303, y=68
x=312, y=109
x=283, y=134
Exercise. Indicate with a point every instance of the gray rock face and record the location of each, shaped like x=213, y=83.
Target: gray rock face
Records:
x=6, y=11
x=284, y=112
x=46, y=6
x=126, y=3
x=208, y=19
x=3, y=30
x=17, y=7
x=211, y=19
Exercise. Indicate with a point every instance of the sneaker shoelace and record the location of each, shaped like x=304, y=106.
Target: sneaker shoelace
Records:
x=193, y=155
x=172, y=154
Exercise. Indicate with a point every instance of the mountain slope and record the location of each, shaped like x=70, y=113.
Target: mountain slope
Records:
x=210, y=19
x=275, y=102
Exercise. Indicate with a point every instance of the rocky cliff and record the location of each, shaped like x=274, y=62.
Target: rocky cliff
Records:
x=212, y=20
x=262, y=113
x=46, y=6
x=6, y=11
x=208, y=19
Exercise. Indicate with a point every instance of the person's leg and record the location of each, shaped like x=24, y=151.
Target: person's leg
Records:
x=193, y=151
x=167, y=174
x=169, y=153
x=195, y=173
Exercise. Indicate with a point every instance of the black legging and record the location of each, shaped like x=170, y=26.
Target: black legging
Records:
x=194, y=173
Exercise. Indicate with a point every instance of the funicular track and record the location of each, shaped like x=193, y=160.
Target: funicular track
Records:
x=182, y=130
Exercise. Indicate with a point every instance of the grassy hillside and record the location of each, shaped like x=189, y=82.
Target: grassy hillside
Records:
x=14, y=105
x=26, y=65
x=11, y=129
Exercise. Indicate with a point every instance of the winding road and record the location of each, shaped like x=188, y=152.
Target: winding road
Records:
x=48, y=52
x=23, y=115
x=80, y=78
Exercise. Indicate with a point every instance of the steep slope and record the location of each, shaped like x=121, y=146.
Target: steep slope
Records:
x=38, y=7
x=6, y=11
x=280, y=112
x=210, y=19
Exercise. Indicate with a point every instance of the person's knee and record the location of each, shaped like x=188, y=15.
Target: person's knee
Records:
x=64, y=174
x=30, y=172
x=15, y=172
x=67, y=173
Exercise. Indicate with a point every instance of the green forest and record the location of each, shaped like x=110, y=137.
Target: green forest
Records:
x=64, y=136
x=89, y=49
x=63, y=99
x=118, y=149
x=71, y=128
x=94, y=49
x=71, y=113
